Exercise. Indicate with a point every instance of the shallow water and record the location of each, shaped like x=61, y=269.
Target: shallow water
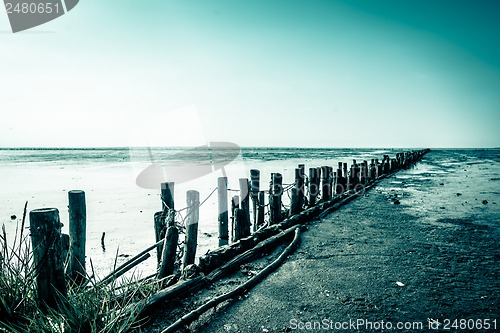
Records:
x=449, y=187
x=123, y=210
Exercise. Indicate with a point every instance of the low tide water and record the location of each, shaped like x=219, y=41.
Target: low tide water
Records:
x=123, y=208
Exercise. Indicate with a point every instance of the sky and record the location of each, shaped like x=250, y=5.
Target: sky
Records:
x=290, y=73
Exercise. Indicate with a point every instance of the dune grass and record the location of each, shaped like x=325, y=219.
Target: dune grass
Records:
x=93, y=308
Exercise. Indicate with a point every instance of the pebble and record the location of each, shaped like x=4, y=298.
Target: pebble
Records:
x=485, y=202
x=397, y=202
x=13, y=217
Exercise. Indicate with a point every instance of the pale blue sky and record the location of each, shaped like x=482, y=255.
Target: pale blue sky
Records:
x=258, y=73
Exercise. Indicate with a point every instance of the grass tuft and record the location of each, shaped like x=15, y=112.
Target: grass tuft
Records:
x=93, y=308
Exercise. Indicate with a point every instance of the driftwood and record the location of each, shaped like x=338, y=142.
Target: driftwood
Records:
x=223, y=254
x=124, y=269
x=249, y=255
x=195, y=314
x=192, y=285
x=129, y=264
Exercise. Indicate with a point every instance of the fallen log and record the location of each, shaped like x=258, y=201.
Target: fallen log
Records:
x=195, y=314
x=192, y=285
x=223, y=254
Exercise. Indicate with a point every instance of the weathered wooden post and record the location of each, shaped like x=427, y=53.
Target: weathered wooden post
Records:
x=192, y=217
x=379, y=168
x=399, y=160
x=394, y=164
x=167, y=196
x=386, y=167
x=301, y=184
x=340, y=182
x=295, y=201
x=239, y=224
x=159, y=223
x=331, y=180
x=223, y=211
x=77, y=233
x=170, y=242
x=275, y=198
x=167, y=201
x=45, y=228
x=352, y=177
x=235, y=204
x=363, y=175
x=318, y=179
x=65, y=241
x=160, y=218
x=357, y=173
x=313, y=188
x=260, y=209
x=345, y=174
x=245, y=204
x=254, y=193
x=373, y=171
x=325, y=183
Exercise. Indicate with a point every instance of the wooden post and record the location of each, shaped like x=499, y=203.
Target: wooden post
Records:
x=239, y=224
x=296, y=197
x=379, y=168
x=65, y=241
x=245, y=204
x=301, y=184
x=318, y=179
x=345, y=174
x=357, y=173
x=363, y=174
x=260, y=209
x=192, y=217
x=325, y=183
x=352, y=177
x=163, y=219
x=169, y=251
x=45, y=228
x=167, y=196
x=275, y=198
x=331, y=179
x=235, y=204
x=386, y=167
x=223, y=211
x=373, y=170
x=159, y=223
x=103, y=245
x=77, y=233
x=340, y=182
x=313, y=187
x=167, y=202
x=254, y=193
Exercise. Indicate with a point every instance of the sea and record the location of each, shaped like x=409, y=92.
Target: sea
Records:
x=122, y=187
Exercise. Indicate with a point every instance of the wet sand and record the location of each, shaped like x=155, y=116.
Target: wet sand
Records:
x=431, y=258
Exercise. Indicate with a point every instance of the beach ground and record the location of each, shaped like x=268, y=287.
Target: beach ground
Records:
x=430, y=262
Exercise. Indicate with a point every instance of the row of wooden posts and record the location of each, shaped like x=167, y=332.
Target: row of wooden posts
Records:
x=50, y=247
x=323, y=183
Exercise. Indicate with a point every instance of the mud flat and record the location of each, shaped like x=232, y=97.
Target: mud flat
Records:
x=420, y=249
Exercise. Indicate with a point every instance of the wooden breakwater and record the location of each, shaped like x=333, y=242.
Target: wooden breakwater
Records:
x=247, y=225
